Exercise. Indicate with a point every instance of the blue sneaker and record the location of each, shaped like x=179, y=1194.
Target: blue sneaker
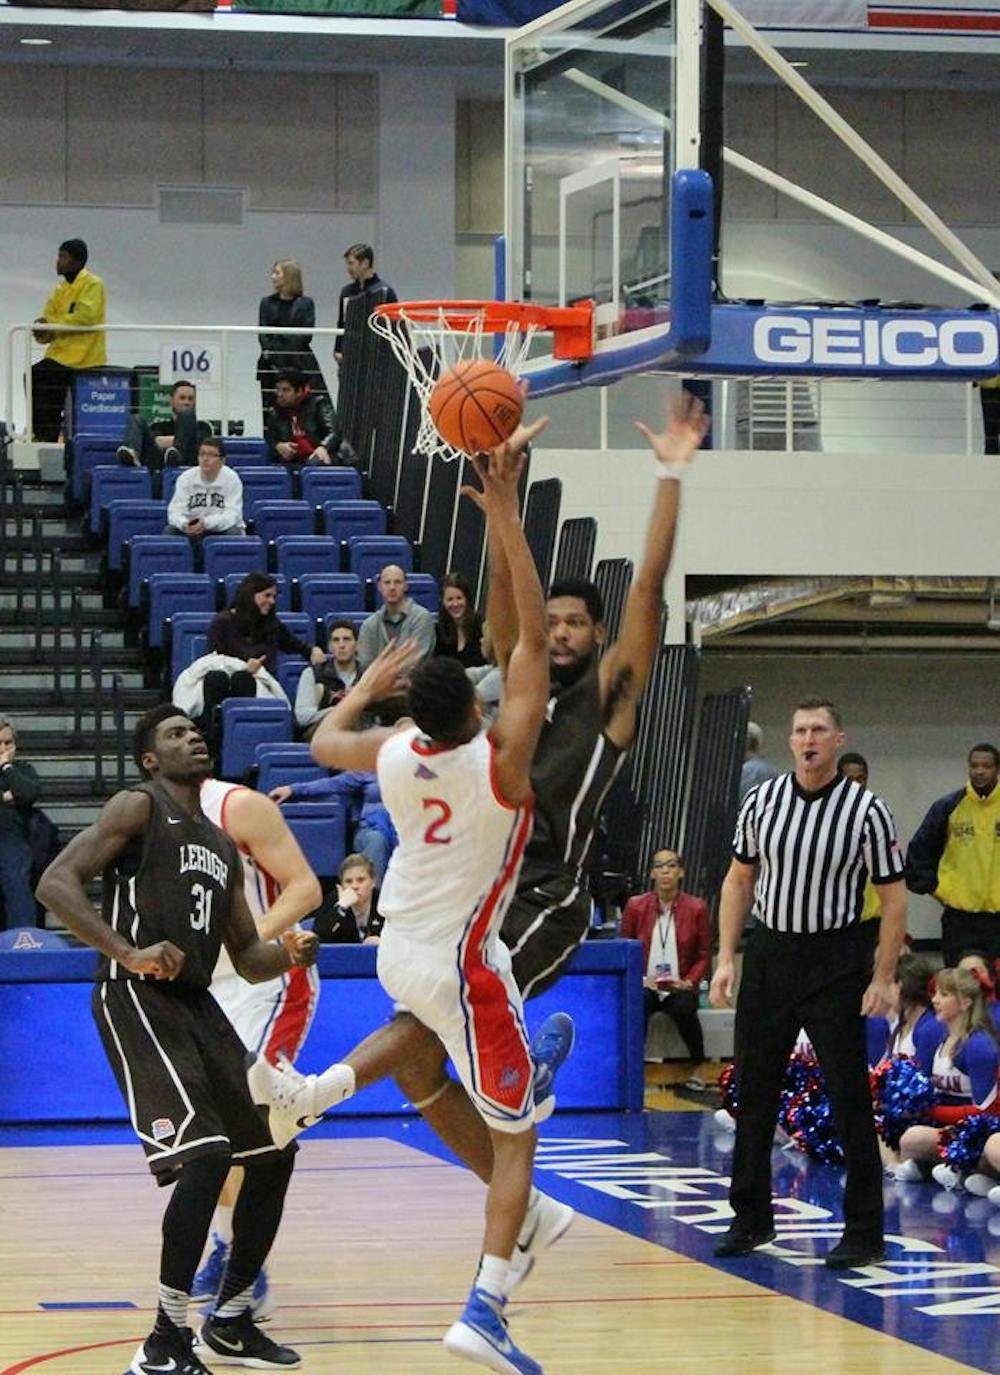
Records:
x=208, y=1280
x=552, y=1044
x=481, y=1335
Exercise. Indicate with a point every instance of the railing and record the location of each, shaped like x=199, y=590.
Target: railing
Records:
x=96, y=679
x=55, y=583
x=76, y=628
x=118, y=717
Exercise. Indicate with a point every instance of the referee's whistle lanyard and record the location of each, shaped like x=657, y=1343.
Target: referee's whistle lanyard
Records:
x=663, y=932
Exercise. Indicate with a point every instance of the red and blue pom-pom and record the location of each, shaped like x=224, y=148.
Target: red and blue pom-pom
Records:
x=961, y=1144
x=902, y=1096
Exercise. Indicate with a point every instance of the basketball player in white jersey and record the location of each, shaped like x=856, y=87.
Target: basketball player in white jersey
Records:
x=273, y=1018
x=460, y=798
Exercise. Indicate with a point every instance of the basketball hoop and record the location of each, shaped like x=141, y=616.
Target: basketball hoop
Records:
x=430, y=337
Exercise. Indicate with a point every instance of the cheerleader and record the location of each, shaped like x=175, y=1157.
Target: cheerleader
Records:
x=959, y=1053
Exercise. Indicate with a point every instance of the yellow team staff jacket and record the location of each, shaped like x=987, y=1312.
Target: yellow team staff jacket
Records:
x=79, y=302
x=956, y=852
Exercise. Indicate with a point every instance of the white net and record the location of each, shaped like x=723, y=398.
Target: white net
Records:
x=429, y=341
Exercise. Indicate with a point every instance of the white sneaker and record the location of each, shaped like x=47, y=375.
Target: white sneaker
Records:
x=543, y=1226
x=289, y=1096
x=979, y=1184
x=725, y=1120
x=944, y=1175
x=994, y=1195
x=909, y=1172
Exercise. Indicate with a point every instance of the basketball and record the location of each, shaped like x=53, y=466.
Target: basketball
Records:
x=475, y=406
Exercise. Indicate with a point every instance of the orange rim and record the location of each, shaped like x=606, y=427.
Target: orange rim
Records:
x=573, y=326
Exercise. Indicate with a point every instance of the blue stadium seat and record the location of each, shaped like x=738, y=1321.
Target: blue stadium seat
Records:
x=274, y=518
x=290, y=670
x=321, y=830
x=168, y=481
x=264, y=484
x=246, y=723
x=422, y=587
x=278, y=764
x=301, y=554
x=342, y=519
x=320, y=485
x=369, y=554
x=225, y=554
x=156, y=554
x=232, y=581
x=126, y=519
x=172, y=593
x=357, y=619
x=113, y=481
x=300, y=625
x=89, y=451
x=245, y=450
x=187, y=634
x=321, y=593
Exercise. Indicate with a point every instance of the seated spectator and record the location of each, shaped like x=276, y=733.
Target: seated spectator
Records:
x=302, y=425
x=251, y=631
x=369, y=828
x=674, y=930
x=460, y=632
x=959, y=1054
x=755, y=768
x=398, y=618
x=208, y=499
x=322, y=687
x=19, y=789
x=354, y=919
x=172, y=442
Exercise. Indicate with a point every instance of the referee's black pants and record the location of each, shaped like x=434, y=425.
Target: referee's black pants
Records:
x=816, y=982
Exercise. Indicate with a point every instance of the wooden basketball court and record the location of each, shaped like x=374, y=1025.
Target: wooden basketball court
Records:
x=376, y=1253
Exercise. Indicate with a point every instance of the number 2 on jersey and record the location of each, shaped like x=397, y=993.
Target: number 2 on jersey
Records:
x=201, y=912
x=433, y=835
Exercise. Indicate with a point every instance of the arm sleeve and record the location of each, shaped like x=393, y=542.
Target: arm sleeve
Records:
x=423, y=630
x=222, y=637
x=289, y=643
x=881, y=844
x=266, y=340
x=326, y=422
x=926, y=848
x=981, y=1065
x=368, y=645
x=927, y=1036
x=177, y=510
x=703, y=960
x=89, y=307
x=303, y=317
x=630, y=922
x=745, y=836
x=306, y=707
x=876, y=1039
x=222, y=518
x=21, y=780
x=318, y=787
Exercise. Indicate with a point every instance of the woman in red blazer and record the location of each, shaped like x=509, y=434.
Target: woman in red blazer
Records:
x=674, y=930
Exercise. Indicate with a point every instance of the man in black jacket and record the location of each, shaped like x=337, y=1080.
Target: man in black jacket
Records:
x=302, y=425
x=19, y=788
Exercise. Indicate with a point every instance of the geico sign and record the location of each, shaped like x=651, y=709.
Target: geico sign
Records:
x=846, y=342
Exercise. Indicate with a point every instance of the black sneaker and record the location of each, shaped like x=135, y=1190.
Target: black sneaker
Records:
x=851, y=1253
x=127, y=457
x=172, y=457
x=238, y=1341
x=740, y=1241
x=173, y=1353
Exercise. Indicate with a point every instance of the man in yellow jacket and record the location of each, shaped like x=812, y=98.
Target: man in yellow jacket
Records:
x=78, y=300
x=956, y=856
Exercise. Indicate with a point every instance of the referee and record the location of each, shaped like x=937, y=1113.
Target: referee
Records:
x=804, y=847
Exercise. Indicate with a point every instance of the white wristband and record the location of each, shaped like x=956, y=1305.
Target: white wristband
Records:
x=669, y=472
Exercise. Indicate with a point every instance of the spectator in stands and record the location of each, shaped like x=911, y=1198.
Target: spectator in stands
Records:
x=78, y=300
x=354, y=919
x=398, y=618
x=286, y=308
x=369, y=827
x=19, y=789
x=955, y=855
x=322, y=687
x=208, y=499
x=674, y=930
x=302, y=425
x=173, y=442
x=755, y=769
x=461, y=631
x=366, y=284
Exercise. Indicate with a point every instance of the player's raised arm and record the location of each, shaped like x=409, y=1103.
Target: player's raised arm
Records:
x=626, y=667
x=256, y=824
x=62, y=887
x=526, y=686
x=337, y=744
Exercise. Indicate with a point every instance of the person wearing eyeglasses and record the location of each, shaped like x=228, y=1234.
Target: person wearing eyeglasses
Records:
x=674, y=930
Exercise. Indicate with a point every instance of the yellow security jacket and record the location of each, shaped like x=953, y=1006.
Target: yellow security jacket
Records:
x=956, y=852
x=80, y=302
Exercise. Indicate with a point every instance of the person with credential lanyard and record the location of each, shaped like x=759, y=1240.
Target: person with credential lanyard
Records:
x=674, y=930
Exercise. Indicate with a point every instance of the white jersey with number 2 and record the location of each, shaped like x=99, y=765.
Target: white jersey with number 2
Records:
x=460, y=842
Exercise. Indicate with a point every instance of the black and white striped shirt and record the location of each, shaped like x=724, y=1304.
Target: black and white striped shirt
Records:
x=815, y=852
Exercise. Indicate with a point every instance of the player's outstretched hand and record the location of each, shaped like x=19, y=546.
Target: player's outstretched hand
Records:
x=682, y=435
x=163, y=960
x=301, y=947
x=388, y=675
x=500, y=470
